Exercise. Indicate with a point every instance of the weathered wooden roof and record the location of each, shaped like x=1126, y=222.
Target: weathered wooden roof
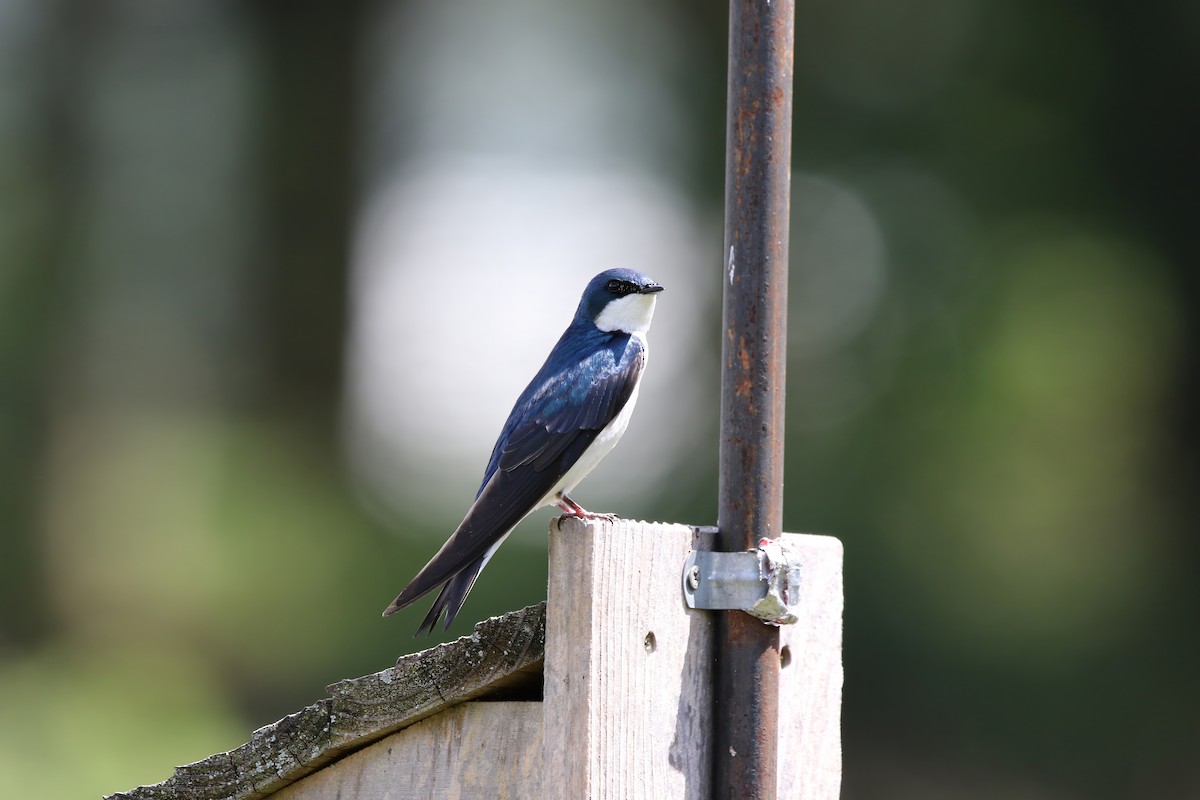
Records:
x=503, y=657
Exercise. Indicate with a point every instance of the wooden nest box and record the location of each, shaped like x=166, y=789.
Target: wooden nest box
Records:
x=605, y=691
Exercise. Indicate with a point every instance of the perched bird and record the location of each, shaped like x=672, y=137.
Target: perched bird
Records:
x=568, y=418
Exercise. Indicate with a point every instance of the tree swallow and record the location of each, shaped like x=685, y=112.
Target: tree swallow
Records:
x=567, y=419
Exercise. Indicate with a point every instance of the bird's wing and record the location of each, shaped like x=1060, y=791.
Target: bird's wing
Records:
x=573, y=408
x=544, y=438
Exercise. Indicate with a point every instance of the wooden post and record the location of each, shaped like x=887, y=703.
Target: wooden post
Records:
x=629, y=668
x=628, y=691
x=810, y=678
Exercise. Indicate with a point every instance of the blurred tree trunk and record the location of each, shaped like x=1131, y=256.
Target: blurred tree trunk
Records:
x=41, y=260
x=1142, y=133
x=308, y=110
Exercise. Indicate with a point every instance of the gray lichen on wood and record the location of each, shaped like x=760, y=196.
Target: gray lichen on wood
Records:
x=503, y=654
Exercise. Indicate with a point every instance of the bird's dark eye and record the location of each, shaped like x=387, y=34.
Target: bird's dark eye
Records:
x=615, y=286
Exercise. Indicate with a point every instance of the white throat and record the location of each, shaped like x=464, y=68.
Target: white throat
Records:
x=629, y=314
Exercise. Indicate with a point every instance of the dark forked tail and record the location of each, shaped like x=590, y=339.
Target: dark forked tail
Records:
x=449, y=600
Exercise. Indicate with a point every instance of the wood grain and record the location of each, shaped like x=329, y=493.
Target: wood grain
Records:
x=810, y=683
x=628, y=699
x=474, y=750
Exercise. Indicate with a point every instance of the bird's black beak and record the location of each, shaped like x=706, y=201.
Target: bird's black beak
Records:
x=650, y=288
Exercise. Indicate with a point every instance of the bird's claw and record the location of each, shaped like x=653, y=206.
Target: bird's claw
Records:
x=572, y=509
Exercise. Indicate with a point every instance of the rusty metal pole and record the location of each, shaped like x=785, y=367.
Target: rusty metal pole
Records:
x=757, y=183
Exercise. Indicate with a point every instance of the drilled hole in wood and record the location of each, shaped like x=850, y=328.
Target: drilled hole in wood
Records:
x=785, y=656
x=649, y=642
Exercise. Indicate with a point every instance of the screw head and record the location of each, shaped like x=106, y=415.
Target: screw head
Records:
x=693, y=578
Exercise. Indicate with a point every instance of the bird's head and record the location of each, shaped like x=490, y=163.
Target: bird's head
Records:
x=619, y=300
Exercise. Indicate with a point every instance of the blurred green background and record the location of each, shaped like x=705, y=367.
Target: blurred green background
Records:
x=248, y=250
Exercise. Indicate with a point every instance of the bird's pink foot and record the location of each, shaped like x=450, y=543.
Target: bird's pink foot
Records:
x=573, y=509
